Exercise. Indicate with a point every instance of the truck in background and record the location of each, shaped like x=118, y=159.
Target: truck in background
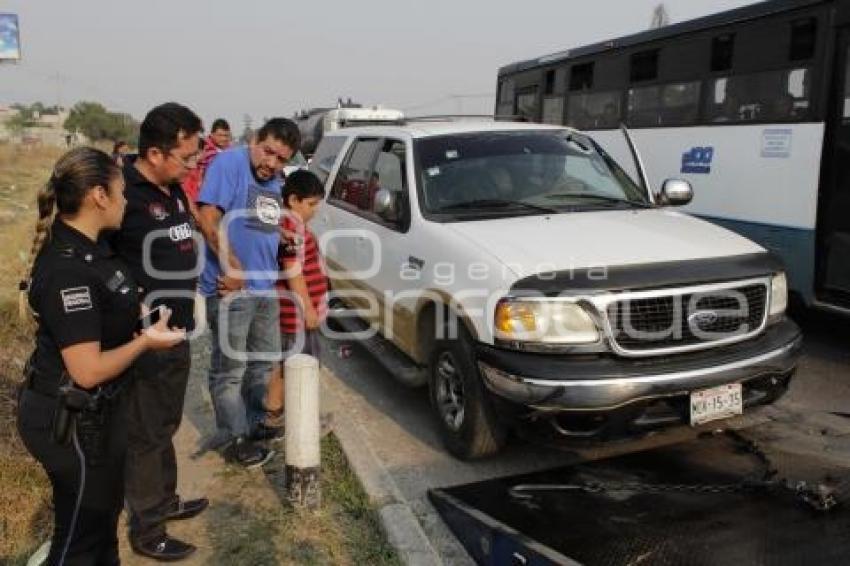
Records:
x=314, y=122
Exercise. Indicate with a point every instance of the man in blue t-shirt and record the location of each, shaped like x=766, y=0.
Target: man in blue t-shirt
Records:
x=240, y=209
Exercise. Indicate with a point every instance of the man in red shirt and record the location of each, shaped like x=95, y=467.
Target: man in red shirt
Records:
x=218, y=140
x=303, y=286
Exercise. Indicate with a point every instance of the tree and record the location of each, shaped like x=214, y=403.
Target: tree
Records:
x=97, y=123
x=26, y=114
x=17, y=123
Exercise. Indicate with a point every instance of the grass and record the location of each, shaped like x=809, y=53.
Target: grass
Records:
x=24, y=500
x=254, y=529
x=250, y=528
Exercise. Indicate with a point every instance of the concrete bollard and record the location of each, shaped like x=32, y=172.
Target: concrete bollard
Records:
x=301, y=421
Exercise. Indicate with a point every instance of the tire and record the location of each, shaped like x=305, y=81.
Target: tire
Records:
x=332, y=322
x=462, y=406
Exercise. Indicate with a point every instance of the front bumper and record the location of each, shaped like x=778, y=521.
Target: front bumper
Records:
x=605, y=382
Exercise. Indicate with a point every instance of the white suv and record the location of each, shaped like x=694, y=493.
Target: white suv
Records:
x=521, y=274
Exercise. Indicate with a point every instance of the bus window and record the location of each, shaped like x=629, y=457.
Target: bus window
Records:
x=594, y=111
x=549, y=87
x=553, y=101
x=526, y=104
x=644, y=66
x=674, y=104
x=803, y=38
x=506, y=98
x=771, y=96
x=553, y=110
x=722, y=50
x=581, y=76
x=846, y=113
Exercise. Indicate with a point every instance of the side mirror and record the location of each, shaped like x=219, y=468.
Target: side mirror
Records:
x=676, y=192
x=384, y=204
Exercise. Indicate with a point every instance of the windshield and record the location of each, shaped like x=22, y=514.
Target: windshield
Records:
x=530, y=172
x=297, y=160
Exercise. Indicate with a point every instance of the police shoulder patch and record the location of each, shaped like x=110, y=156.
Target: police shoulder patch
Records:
x=76, y=299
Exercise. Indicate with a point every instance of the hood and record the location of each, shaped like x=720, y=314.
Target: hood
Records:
x=610, y=238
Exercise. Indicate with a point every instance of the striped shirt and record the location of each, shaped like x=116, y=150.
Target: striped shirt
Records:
x=195, y=177
x=300, y=256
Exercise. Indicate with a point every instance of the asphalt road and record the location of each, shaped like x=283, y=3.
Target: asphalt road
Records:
x=397, y=424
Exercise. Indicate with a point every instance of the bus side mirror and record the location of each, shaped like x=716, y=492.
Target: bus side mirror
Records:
x=675, y=192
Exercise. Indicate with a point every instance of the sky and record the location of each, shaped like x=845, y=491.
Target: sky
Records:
x=267, y=58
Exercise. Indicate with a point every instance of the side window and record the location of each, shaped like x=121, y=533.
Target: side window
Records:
x=325, y=157
x=594, y=111
x=553, y=106
x=846, y=110
x=526, y=104
x=506, y=97
x=803, y=39
x=352, y=181
x=581, y=76
x=674, y=104
x=390, y=173
x=553, y=110
x=782, y=96
x=722, y=52
x=644, y=66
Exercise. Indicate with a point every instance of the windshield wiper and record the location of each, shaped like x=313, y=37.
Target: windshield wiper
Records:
x=496, y=203
x=579, y=141
x=605, y=198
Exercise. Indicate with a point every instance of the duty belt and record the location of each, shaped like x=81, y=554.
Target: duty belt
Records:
x=48, y=385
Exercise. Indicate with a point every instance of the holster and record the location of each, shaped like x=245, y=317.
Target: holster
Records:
x=87, y=414
x=93, y=432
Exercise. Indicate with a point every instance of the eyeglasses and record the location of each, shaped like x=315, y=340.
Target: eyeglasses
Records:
x=190, y=162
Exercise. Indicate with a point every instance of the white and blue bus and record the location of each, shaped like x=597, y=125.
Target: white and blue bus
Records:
x=751, y=105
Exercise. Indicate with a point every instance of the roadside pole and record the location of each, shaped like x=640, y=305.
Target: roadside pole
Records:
x=302, y=431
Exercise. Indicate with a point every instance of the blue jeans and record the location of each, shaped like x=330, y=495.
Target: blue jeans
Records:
x=248, y=325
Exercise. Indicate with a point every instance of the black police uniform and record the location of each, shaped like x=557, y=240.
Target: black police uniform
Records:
x=80, y=292
x=156, y=400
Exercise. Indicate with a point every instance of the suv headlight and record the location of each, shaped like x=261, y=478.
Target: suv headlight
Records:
x=542, y=321
x=778, y=294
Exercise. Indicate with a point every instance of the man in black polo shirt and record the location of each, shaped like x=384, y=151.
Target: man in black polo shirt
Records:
x=156, y=241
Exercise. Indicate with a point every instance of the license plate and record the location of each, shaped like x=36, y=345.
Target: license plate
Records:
x=716, y=403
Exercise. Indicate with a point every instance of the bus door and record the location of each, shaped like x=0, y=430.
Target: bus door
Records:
x=833, y=258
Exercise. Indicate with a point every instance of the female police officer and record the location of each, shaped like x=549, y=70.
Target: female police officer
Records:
x=70, y=409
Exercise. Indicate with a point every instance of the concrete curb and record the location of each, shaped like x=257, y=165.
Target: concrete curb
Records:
x=399, y=523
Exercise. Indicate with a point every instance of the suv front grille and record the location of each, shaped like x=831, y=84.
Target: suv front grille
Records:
x=668, y=321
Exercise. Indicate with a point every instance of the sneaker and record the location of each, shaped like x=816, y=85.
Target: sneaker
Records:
x=268, y=432
x=247, y=454
x=263, y=432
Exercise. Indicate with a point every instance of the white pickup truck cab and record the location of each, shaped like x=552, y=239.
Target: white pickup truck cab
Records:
x=524, y=277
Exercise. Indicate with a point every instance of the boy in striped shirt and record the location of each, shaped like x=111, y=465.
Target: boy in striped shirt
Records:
x=303, y=285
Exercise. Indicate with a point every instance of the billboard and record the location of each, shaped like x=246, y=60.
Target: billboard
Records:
x=10, y=39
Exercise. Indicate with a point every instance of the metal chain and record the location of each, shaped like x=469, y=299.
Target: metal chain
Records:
x=818, y=496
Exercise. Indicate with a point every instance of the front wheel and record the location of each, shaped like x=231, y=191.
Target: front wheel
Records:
x=465, y=415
